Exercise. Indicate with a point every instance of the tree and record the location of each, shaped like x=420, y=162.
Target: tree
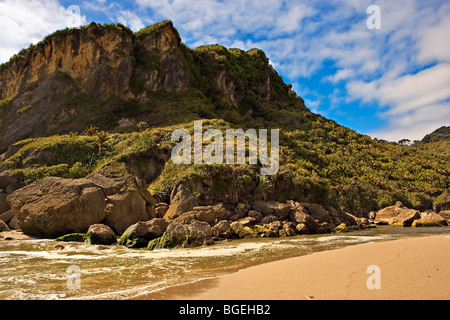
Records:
x=102, y=137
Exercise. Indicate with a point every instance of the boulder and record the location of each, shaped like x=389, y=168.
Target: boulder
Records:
x=73, y=237
x=7, y=216
x=280, y=210
x=255, y=214
x=3, y=226
x=446, y=215
x=429, y=219
x=100, y=234
x=181, y=200
x=319, y=213
x=266, y=231
x=52, y=207
x=341, y=228
x=300, y=216
x=222, y=230
x=124, y=210
x=4, y=205
x=161, y=209
x=141, y=233
x=13, y=224
x=302, y=229
x=268, y=219
x=247, y=222
x=241, y=231
x=287, y=230
x=397, y=215
x=210, y=214
x=194, y=234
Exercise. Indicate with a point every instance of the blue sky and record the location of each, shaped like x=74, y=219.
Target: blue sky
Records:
x=390, y=83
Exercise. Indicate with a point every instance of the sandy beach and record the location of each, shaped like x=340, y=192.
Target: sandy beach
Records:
x=407, y=269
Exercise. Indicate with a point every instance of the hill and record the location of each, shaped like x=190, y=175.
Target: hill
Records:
x=441, y=134
x=134, y=89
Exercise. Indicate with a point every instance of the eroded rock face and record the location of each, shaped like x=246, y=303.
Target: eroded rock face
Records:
x=96, y=61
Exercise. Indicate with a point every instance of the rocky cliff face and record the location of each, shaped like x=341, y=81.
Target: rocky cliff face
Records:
x=78, y=76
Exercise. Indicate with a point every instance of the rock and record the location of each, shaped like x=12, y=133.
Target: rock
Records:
x=141, y=233
x=7, y=178
x=301, y=229
x=319, y=213
x=446, y=215
x=52, y=207
x=13, y=224
x=287, y=230
x=73, y=237
x=255, y=214
x=4, y=205
x=280, y=210
x=3, y=226
x=341, y=228
x=268, y=219
x=196, y=233
x=100, y=234
x=124, y=210
x=222, y=230
x=164, y=242
x=266, y=231
x=429, y=219
x=7, y=216
x=161, y=209
x=210, y=214
x=181, y=200
x=247, y=222
x=397, y=215
x=300, y=216
x=242, y=231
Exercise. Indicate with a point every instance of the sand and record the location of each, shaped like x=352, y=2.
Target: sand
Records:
x=407, y=269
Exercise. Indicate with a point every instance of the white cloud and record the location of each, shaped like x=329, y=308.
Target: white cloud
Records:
x=29, y=21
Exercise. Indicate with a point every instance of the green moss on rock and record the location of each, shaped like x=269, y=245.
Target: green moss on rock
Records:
x=164, y=242
x=73, y=237
x=131, y=241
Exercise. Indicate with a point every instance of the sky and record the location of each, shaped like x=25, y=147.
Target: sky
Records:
x=383, y=71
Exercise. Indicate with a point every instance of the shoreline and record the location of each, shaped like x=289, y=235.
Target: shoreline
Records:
x=409, y=269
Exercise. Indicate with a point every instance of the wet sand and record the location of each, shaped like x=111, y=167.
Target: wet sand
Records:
x=409, y=269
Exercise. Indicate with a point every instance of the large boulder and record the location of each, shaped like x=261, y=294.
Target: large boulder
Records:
x=100, y=234
x=141, y=233
x=211, y=214
x=181, y=200
x=429, y=219
x=397, y=215
x=124, y=210
x=52, y=207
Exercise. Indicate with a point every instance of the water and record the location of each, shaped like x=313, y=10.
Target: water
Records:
x=36, y=269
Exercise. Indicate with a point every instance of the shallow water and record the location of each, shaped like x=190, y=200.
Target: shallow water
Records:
x=36, y=269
